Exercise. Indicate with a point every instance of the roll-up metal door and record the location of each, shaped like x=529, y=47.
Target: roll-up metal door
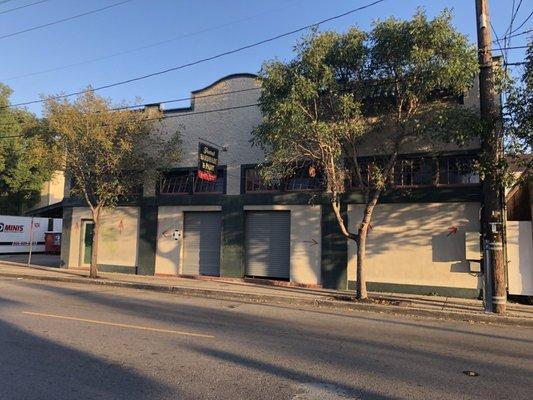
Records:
x=268, y=244
x=201, y=243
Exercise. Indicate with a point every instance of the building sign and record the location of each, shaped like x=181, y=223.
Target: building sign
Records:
x=207, y=162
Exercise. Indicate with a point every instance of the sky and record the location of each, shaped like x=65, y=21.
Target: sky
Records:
x=76, y=53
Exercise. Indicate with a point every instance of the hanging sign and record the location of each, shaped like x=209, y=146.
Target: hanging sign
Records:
x=207, y=162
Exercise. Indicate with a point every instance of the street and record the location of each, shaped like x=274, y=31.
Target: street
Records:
x=70, y=341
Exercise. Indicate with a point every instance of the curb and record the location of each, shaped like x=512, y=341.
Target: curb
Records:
x=293, y=301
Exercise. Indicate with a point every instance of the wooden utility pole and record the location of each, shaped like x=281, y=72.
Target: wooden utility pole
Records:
x=492, y=154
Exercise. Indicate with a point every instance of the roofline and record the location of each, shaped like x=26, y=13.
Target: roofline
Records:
x=225, y=78
x=194, y=92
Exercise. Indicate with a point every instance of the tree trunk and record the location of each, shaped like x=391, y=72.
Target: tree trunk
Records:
x=93, y=271
x=361, y=245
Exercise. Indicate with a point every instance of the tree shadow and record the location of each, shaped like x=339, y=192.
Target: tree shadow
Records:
x=32, y=367
x=286, y=373
x=338, y=348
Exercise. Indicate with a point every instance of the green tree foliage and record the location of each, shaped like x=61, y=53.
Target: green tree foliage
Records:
x=518, y=116
x=109, y=153
x=353, y=94
x=26, y=163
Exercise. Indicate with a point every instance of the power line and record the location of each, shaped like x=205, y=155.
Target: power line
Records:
x=498, y=41
x=516, y=34
x=523, y=23
x=33, y=28
x=206, y=59
x=179, y=114
x=512, y=48
x=136, y=49
x=185, y=99
x=24, y=6
x=163, y=102
x=514, y=14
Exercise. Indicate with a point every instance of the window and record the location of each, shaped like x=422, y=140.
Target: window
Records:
x=426, y=171
x=176, y=183
x=186, y=182
x=254, y=182
x=457, y=171
x=202, y=186
x=305, y=179
x=415, y=172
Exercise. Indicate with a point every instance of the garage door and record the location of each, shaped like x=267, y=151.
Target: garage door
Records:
x=268, y=244
x=201, y=243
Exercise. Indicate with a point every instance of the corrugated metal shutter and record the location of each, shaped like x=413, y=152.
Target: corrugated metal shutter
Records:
x=268, y=244
x=201, y=243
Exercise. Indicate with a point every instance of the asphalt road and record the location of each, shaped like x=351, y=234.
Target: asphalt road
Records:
x=40, y=259
x=60, y=341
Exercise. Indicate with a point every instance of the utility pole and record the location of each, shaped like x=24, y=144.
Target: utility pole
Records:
x=492, y=154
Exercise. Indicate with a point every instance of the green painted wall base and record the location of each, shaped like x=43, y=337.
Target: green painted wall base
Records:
x=147, y=240
x=444, y=291
x=122, y=269
x=232, y=246
x=66, y=237
x=334, y=260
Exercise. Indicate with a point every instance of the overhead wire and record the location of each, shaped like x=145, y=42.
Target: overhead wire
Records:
x=24, y=6
x=179, y=114
x=59, y=21
x=140, y=48
x=205, y=59
x=523, y=23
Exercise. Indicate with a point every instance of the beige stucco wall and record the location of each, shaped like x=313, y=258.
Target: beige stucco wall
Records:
x=520, y=257
x=231, y=129
x=119, y=236
x=53, y=190
x=168, y=259
x=409, y=244
x=305, y=241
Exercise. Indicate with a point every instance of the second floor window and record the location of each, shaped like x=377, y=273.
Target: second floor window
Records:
x=426, y=171
x=415, y=172
x=305, y=179
x=187, y=182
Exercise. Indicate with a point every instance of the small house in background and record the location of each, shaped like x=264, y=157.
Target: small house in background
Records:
x=51, y=197
x=519, y=234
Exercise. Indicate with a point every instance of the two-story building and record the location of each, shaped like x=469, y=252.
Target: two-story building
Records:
x=239, y=227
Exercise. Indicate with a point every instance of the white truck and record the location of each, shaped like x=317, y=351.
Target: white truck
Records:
x=16, y=235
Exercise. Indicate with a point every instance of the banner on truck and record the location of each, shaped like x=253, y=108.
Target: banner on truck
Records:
x=15, y=233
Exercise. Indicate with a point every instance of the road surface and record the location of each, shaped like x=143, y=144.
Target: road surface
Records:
x=68, y=341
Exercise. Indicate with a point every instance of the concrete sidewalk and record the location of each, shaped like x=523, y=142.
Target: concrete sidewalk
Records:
x=424, y=306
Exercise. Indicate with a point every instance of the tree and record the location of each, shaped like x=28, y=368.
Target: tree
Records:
x=378, y=93
x=518, y=115
x=25, y=161
x=109, y=153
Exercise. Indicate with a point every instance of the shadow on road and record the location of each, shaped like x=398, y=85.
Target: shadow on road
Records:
x=32, y=367
x=411, y=352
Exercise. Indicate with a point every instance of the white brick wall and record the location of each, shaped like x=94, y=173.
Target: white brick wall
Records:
x=231, y=128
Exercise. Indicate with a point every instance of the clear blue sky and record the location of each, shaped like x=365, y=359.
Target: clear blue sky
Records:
x=211, y=26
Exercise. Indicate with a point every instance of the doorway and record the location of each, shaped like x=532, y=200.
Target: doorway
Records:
x=87, y=233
